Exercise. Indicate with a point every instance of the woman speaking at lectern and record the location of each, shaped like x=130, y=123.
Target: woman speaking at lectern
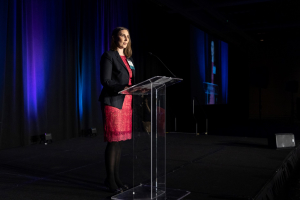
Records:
x=116, y=74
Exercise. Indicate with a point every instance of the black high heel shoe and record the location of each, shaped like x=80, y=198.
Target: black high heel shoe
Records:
x=124, y=187
x=118, y=190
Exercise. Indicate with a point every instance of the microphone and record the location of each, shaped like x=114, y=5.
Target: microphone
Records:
x=162, y=63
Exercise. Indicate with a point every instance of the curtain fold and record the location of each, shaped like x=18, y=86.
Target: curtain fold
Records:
x=49, y=66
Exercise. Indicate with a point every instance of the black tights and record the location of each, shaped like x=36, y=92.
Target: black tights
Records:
x=112, y=164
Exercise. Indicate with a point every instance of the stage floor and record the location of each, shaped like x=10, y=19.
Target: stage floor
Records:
x=210, y=167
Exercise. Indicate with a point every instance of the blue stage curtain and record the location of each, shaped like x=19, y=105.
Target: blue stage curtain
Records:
x=198, y=57
x=49, y=66
x=224, y=72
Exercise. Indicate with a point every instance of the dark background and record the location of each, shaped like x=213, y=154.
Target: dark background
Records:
x=263, y=61
x=167, y=35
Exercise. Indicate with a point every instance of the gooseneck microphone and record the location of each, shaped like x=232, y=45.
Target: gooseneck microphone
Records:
x=163, y=64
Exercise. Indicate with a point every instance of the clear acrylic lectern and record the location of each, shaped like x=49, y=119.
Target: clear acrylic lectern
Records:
x=148, y=138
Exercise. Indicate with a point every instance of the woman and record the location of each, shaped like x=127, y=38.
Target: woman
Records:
x=116, y=74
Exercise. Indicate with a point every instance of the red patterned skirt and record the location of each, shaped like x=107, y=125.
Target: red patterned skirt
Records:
x=118, y=122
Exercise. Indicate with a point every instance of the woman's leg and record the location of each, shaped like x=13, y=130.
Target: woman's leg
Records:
x=117, y=165
x=110, y=164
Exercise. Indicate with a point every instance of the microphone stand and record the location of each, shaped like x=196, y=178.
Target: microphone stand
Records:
x=163, y=64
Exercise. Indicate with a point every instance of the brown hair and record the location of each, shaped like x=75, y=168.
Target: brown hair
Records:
x=114, y=40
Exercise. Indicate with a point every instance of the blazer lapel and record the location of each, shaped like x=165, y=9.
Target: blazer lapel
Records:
x=121, y=61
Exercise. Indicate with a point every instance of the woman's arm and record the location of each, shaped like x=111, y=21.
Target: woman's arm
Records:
x=106, y=74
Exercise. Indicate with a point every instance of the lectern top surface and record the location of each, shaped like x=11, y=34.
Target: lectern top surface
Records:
x=156, y=82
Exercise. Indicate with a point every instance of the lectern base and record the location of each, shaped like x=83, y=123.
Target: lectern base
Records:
x=144, y=192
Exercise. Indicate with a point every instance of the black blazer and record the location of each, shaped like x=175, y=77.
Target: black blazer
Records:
x=114, y=76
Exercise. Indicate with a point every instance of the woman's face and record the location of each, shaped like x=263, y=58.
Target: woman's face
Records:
x=123, y=39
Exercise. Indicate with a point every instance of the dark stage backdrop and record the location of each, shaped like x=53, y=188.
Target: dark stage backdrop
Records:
x=167, y=34
x=49, y=65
